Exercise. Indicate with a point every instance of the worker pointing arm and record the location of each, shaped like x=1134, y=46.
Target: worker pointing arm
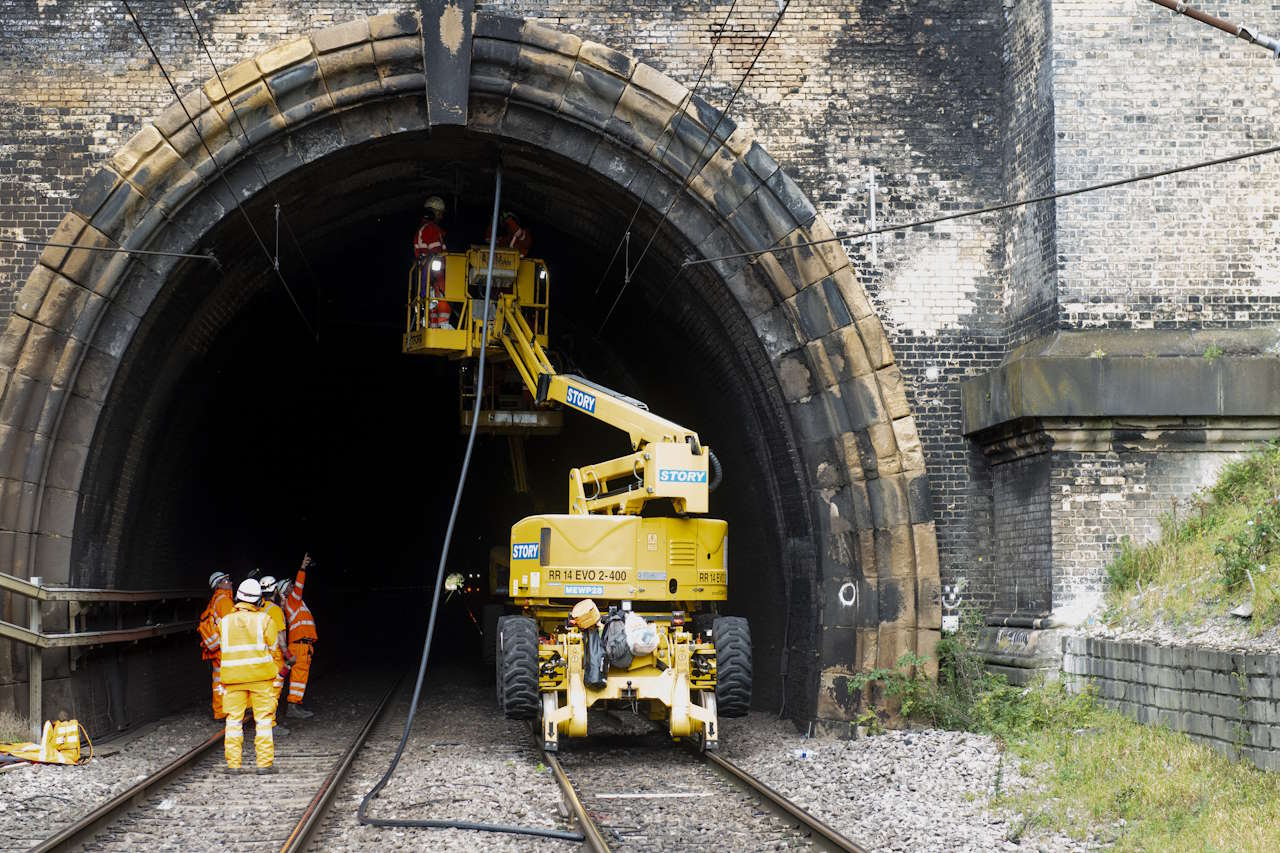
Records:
x=302, y=637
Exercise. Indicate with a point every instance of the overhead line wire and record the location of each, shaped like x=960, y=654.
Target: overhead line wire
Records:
x=695, y=169
x=245, y=133
x=679, y=116
x=995, y=208
x=218, y=167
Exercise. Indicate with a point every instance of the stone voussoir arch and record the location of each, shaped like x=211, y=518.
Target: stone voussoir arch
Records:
x=878, y=581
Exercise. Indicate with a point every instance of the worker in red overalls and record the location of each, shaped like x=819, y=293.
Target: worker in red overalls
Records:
x=428, y=245
x=512, y=235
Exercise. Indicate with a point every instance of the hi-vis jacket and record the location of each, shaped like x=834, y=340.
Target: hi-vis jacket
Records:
x=220, y=605
x=302, y=625
x=248, y=637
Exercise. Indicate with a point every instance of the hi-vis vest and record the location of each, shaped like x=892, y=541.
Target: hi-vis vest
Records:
x=59, y=744
x=210, y=635
x=247, y=639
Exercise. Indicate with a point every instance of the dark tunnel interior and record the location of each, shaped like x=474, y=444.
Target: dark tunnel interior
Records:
x=233, y=440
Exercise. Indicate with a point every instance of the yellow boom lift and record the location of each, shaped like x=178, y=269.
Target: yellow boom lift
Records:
x=604, y=554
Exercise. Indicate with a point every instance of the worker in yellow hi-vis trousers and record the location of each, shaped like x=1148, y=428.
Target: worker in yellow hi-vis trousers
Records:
x=248, y=670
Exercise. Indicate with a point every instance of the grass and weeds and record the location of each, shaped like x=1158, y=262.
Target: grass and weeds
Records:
x=13, y=728
x=1203, y=563
x=1096, y=775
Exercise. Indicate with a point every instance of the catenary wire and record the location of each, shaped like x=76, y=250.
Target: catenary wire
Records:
x=23, y=242
x=245, y=133
x=995, y=208
x=431, y=823
x=695, y=168
x=675, y=129
x=218, y=167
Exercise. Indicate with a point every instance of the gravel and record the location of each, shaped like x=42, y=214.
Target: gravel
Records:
x=38, y=798
x=463, y=761
x=918, y=790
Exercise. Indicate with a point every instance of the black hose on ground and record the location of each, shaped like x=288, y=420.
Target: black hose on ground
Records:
x=435, y=603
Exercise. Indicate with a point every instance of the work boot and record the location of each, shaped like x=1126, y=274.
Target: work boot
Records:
x=296, y=710
x=266, y=771
x=232, y=771
x=279, y=731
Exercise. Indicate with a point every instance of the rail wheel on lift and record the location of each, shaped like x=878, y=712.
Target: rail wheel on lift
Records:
x=518, y=667
x=732, y=638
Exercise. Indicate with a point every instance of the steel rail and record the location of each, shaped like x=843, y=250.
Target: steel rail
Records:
x=320, y=803
x=82, y=830
x=592, y=838
x=824, y=836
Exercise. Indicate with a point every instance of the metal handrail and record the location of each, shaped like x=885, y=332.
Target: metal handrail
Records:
x=36, y=590
x=36, y=639
x=42, y=640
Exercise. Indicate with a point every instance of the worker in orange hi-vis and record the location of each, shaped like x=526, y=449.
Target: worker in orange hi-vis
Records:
x=219, y=605
x=302, y=637
x=247, y=636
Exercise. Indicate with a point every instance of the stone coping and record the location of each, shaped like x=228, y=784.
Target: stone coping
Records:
x=1130, y=374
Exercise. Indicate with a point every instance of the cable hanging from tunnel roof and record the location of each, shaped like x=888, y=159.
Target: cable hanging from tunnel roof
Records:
x=678, y=115
x=695, y=168
x=248, y=147
x=218, y=167
x=994, y=208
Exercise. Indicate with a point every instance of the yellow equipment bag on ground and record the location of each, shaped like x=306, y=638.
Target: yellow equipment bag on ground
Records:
x=59, y=744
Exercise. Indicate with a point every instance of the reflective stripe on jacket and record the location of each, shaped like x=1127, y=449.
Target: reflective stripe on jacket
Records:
x=428, y=240
x=302, y=625
x=248, y=639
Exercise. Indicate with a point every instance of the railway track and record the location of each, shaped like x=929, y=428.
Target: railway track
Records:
x=658, y=796
x=190, y=804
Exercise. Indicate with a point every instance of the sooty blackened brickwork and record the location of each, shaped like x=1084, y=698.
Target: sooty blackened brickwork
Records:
x=942, y=105
x=911, y=91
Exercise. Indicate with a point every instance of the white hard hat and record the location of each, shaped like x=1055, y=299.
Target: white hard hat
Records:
x=268, y=583
x=250, y=590
x=434, y=203
x=217, y=578
x=285, y=587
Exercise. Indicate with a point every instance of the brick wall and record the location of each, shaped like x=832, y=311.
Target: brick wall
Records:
x=1104, y=497
x=1022, y=524
x=952, y=103
x=1138, y=89
x=1227, y=700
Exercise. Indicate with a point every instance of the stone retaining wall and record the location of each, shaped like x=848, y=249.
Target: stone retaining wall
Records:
x=1228, y=700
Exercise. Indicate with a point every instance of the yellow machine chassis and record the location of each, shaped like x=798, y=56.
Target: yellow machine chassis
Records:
x=684, y=685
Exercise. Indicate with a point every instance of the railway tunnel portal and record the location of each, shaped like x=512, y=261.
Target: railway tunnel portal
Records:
x=169, y=416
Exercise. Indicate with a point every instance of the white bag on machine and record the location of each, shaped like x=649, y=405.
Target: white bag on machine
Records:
x=642, y=637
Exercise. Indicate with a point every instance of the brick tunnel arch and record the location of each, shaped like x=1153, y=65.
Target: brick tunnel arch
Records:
x=101, y=345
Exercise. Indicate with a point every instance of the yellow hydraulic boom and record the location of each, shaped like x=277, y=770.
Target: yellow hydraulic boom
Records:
x=657, y=568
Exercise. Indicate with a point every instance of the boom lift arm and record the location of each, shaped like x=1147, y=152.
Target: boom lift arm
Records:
x=667, y=460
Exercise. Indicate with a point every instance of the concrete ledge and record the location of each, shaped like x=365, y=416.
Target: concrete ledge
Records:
x=1130, y=374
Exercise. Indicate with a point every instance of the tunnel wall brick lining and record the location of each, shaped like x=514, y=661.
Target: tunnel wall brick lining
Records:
x=857, y=434
x=1226, y=700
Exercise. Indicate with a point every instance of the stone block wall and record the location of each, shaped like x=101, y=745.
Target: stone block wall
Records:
x=1227, y=700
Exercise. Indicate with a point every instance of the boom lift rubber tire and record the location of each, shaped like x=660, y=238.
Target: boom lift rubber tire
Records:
x=496, y=641
x=489, y=616
x=519, y=661
x=732, y=639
